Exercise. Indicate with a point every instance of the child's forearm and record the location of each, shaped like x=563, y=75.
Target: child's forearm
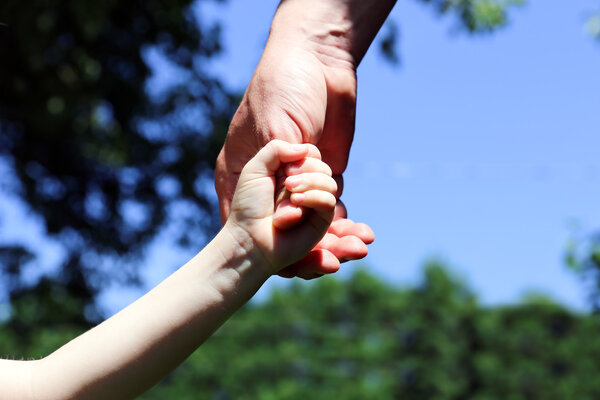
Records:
x=133, y=350
x=137, y=347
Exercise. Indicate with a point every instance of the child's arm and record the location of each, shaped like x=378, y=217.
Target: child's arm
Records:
x=134, y=349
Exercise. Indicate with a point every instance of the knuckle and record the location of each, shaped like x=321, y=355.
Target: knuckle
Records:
x=333, y=185
x=314, y=149
x=331, y=200
x=324, y=168
x=273, y=144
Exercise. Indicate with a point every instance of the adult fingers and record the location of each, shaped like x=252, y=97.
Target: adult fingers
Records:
x=338, y=129
x=339, y=180
x=317, y=263
x=346, y=227
x=340, y=211
x=225, y=182
x=344, y=248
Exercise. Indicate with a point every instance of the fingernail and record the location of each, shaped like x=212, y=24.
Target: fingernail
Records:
x=293, y=181
x=290, y=168
x=297, y=198
x=297, y=147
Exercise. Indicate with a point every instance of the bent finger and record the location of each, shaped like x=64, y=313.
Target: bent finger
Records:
x=346, y=227
x=311, y=181
x=277, y=152
x=316, y=263
x=339, y=180
x=308, y=164
x=345, y=248
x=287, y=214
x=340, y=210
x=319, y=200
x=313, y=151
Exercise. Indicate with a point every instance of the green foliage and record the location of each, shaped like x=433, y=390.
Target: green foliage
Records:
x=477, y=16
x=363, y=338
x=593, y=25
x=583, y=257
x=85, y=143
x=474, y=16
x=481, y=15
x=44, y=318
x=101, y=162
x=388, y=44
x=542, y=351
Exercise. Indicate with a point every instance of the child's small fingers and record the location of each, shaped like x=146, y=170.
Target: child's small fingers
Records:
x=275, y=153
x=287, y=215
x=313, y=151
x=310, y=181
x=307, y=164
x=319, y=200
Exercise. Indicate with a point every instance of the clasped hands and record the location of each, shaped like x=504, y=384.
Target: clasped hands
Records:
x=297, y=97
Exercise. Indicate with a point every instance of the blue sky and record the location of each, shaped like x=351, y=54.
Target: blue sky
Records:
x=476, y=150
x=496, y=139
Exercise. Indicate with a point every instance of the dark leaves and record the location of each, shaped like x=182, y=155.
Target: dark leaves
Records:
x=87, y=143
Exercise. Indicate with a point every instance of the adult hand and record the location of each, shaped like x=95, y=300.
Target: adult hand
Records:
x=293, y=96
x=304, y=91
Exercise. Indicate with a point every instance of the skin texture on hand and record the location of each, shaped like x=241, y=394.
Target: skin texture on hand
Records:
x=292, y=97
x=137, y=347
x=304, y=91
x=253, y=207
x=287, y=99
x=296, y=99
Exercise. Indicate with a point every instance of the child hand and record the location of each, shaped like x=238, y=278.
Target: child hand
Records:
x=253, y=204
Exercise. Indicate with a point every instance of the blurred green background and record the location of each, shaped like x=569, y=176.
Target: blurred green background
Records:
x=111, y=116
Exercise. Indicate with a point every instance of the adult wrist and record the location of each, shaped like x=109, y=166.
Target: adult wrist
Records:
x=342, y=29
x=321, y=27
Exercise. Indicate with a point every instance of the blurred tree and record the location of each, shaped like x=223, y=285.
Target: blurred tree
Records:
x=362, y=338
x=477, y=16
x=583, y=257
x=102, y=162
x=593, y=25
x=473, y=16
x=101, y=157
x=536, y=350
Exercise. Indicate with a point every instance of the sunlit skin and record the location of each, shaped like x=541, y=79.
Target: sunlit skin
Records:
x=133, y=350
x=304, y=91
